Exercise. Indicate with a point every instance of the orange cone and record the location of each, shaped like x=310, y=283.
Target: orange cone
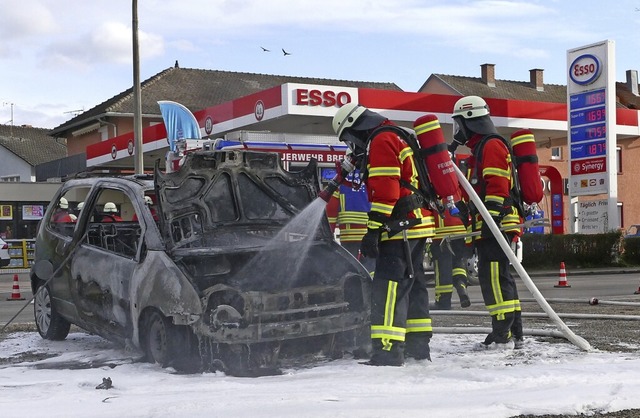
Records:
x=15, y=294
x=562, y=282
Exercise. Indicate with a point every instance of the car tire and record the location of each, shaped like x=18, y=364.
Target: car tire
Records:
x=50, y=324
x=159, y=343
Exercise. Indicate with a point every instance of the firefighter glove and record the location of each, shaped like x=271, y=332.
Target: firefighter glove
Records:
x=463, y=212
x=369, y=243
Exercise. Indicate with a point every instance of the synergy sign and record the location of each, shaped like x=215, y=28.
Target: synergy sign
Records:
x=591, y=121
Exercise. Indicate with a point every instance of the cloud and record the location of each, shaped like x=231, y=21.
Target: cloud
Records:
x=22, y=19
x=109, y=43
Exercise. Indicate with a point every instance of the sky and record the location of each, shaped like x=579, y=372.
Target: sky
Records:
x=58, y=58
x=541, y=378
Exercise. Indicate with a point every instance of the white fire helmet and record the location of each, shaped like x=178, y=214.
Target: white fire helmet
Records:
x=63, y=203
x=346, y=116
x=470, y=107
x=110, y=207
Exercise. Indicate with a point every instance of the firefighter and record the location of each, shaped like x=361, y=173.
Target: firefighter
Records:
x=348, y=210
x=110, y=213
x=492, y=179
x=61, y=215
x=400, y=321
x=450, y=260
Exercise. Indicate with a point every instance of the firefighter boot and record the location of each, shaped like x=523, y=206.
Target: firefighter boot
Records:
x=417, y=347
x=443, y=302
x=393, y=356
x=465, y=302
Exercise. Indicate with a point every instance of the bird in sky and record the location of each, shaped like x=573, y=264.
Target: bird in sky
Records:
x=265, y=49
x=285, y=52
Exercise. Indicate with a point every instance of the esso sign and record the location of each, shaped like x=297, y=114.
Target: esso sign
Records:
x=585, y=69
x=326, y=98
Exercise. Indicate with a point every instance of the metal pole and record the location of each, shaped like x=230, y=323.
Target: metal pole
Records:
x=137, y=111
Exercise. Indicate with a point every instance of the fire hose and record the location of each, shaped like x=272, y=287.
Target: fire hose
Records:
x=495, y=230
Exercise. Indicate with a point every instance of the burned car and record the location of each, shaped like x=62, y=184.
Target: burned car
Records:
x=228, y=263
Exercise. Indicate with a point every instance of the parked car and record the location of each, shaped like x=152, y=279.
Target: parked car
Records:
x=5, y=258
x=217, y=280
x=632, y=231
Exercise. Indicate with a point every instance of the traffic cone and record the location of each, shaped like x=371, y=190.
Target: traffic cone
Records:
x=15, y=294
x=562, y=282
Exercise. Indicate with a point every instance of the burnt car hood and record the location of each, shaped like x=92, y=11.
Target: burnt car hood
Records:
x=216, y=194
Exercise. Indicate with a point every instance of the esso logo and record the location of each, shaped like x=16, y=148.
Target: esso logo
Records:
x=585, y=69
x=327, y=98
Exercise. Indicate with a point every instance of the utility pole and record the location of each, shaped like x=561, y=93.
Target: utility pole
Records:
x=137, y=111
x=11, y=121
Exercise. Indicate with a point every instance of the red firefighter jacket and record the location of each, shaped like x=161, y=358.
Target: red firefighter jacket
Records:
x=389, y=161
x=348, y=210
x=494, y=171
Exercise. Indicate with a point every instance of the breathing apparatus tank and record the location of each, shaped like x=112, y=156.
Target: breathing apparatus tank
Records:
x=346, y=167
x=526, y=160
x=437, y=158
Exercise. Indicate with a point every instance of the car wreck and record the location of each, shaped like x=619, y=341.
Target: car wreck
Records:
x=200, y=269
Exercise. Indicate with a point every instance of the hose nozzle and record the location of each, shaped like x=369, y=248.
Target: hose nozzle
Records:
x=346, y=167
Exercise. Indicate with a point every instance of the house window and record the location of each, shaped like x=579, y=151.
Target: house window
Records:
x=620, y=215
x=556, y=153
x=10, y=178
x=619, y=159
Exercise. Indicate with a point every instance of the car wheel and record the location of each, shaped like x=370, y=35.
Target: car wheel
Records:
x=170, y=345
x=159, y=346
x=50, y=325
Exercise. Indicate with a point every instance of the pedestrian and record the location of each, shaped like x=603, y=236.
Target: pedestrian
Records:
x=491, y=171
x=449, y=253
x=348, y=211
x=400, y=321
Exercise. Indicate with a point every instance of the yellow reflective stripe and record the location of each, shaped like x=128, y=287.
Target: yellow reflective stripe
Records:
x=502, y=308
x=450, y=230
x=351, y=217
x=388, y=333
x=459, y=271
x=390, y=303
x=426, y=127
x=384, y=172
x=382, y=208
x=419, y=325
x=494, y=198
x=494, y=273
x=352, y=235
x=445, y=288
x=493, y=171
x=406, y=152
x=520, y=139
x=332, y=219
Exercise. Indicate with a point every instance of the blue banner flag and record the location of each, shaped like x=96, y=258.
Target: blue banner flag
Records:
x=179, y=122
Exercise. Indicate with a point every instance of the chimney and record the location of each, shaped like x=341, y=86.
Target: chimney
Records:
x=488, y=72
x=632, y=81
x=535, y=78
